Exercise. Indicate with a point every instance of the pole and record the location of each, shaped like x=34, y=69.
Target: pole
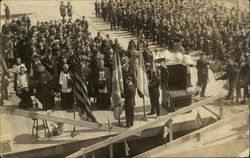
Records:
x=144, y=108
x=111, y=151
x=144, y=111
x=221, y=108
x=1, y=62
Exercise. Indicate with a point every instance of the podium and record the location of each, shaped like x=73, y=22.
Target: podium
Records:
x=174, y=87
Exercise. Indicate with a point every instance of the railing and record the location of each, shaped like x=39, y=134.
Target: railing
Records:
x=167, y=118
x=36, y=115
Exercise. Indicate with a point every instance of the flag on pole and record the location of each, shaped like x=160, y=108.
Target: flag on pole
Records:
x=142, y=80
x=198, y=121
x=117, y=86
x=80, y=90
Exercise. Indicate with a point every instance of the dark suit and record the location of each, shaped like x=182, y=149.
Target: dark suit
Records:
x=154, y=94
x=202, y=68
x=231, y=74
x=129, y=93
x=244, y=76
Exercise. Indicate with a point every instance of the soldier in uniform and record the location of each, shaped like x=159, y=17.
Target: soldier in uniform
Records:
x=153, y=87
x=7, y=12
x=231, y=74
x=97, y=8
x=129, y=94
x=63, y=11
x=244, y=77
x=113, y=19
x=69, y=11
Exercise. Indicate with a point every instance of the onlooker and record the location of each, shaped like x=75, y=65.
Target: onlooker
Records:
x=66, y=84
x=23, y=91
x=7, y=12
x=202, y=68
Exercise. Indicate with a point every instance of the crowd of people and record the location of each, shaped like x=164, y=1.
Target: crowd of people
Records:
x=43, y=56
x=198, y=24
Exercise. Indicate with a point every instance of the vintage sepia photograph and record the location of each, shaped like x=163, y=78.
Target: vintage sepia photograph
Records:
x=124, y=78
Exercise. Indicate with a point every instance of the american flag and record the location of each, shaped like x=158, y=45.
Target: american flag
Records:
x=81, y=93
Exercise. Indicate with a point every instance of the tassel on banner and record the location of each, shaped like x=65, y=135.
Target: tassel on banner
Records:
x=126, y=147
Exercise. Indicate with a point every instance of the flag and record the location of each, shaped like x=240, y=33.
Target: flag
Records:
x=126, y=147
x=142, y=80
x=80, y=90
x=117, y=86
x=198, y=121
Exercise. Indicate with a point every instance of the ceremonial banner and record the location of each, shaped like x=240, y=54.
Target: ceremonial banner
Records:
x=142, y=80
x=117, y=86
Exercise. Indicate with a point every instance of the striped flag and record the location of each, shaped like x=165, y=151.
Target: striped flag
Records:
x=117, y=86
x=198, y=121
x=142, y=80
x=80, y=90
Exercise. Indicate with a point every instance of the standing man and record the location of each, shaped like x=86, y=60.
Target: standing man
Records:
x=244, y=76
x=97, y=8
x=129, y=93
x=69, y=10
x=202, y=67
x=9, y=54
x=231, y=73
x=153, y=87
x=63, y=11
x=7, y=12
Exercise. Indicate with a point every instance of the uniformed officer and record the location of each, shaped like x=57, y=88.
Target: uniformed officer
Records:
x=244, y=77
x=97, y=8
x=7, y=12
x=231, y=74
x=153, y=87
x=63, y=11
x=113, y=19
x=69, y=11
x=129, y=93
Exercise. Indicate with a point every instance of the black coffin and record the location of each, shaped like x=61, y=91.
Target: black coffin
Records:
x=174, y=87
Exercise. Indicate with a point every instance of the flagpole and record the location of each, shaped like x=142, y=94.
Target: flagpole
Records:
x=143, y=99
x=74, y=133
x=144, y=110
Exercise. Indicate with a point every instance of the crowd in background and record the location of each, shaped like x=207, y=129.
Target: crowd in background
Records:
x=47, y=50
x=199, y=24
x=43, y=56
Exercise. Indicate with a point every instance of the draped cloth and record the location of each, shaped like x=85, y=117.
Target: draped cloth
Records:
x=80, y=90
x=117, y=86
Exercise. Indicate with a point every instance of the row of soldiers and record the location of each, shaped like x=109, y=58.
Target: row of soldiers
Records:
x=198, y=24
